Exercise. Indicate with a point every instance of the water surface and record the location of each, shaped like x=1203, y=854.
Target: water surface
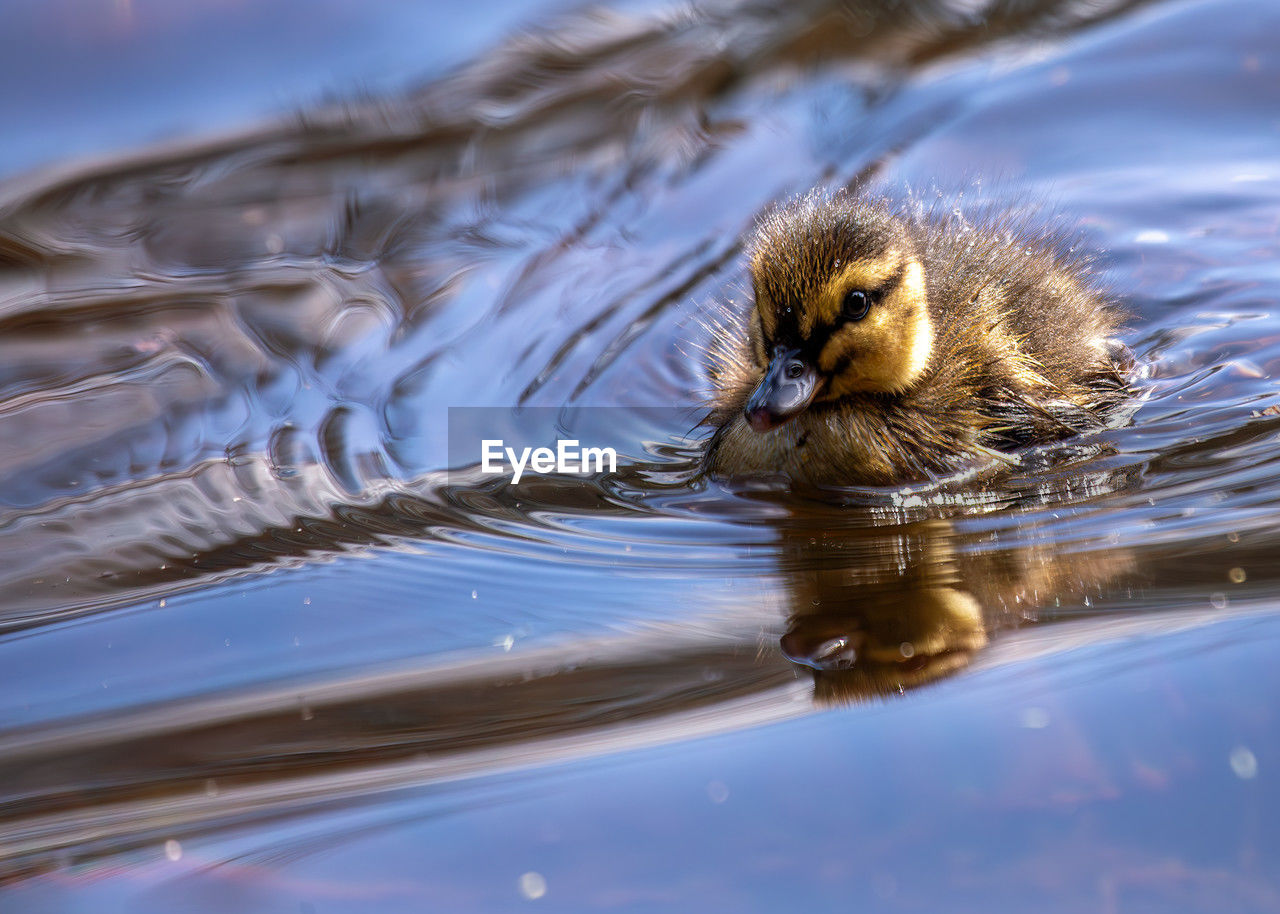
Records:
x=268, y=642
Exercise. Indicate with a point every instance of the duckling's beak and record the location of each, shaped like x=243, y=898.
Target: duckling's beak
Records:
x=788, y=387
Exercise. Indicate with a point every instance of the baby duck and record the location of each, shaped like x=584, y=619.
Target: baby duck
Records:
x=887, y=346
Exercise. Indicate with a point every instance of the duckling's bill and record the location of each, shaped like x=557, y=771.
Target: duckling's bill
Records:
x=789, y=385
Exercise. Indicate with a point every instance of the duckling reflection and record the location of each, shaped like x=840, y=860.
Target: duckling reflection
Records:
x=874, y=614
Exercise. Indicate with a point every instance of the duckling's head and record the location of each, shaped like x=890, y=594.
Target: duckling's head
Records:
x=841, y=306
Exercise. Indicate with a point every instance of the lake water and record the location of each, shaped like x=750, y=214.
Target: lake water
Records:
x=271, y=640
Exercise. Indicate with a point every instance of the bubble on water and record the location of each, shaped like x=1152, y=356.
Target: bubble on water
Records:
x=173, y=850
x=718, y=791
x=1244, y=763
x=1034, y=718
x=1237, y=575
x=1218, y=600
x=532, y=885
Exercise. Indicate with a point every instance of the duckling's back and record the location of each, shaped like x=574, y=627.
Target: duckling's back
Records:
x=1024, y=316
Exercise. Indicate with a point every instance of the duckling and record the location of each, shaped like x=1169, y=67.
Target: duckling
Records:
x=887, y=345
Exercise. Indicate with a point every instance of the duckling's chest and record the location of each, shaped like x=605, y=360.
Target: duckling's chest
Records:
x=840, y=447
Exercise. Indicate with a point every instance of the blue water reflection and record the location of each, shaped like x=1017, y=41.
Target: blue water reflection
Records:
x=268, y=641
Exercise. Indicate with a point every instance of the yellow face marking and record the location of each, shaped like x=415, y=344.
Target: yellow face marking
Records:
x=890, y=349
x=867, y=275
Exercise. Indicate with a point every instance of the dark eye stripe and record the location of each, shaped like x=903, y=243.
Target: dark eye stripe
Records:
x=786, y=321
x=875, y=295
x=843, y=362
x=893, y=281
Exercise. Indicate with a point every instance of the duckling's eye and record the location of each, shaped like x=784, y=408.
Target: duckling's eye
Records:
x=856, y=305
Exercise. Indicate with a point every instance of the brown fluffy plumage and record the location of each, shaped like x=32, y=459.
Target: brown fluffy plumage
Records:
x=887, y=345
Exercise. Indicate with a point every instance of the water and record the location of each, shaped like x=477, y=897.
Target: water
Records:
x=269, y=641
